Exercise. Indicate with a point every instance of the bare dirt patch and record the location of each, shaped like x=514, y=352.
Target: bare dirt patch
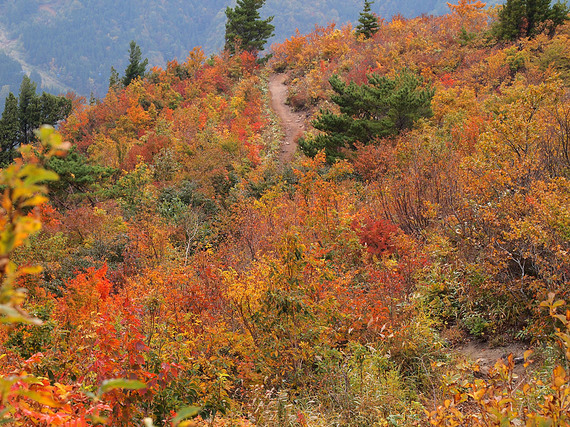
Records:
x=486, y=356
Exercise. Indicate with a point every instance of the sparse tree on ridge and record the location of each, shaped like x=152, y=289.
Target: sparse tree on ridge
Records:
x=115, y=80
x=245, y=27
x=136, y=68
x=368, y=22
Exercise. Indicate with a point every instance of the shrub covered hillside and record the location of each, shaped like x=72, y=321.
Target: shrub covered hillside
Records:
x=188, y=278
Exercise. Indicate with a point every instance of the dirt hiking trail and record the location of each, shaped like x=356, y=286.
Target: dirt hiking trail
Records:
x=293, y=122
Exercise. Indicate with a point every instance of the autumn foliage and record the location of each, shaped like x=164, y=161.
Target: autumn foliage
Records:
x=199, y=280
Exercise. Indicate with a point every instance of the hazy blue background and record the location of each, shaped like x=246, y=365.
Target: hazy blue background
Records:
x=72, y=44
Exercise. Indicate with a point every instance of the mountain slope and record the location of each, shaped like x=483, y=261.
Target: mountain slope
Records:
x=74, y=43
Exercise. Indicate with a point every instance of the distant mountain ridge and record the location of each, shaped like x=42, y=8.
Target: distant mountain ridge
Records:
x=72, y=44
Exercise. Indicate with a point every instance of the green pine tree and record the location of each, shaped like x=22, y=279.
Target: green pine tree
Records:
x=136, y=67
x=52, y=109
x=28, y=110
x=557, y=15
x=368, y=22
x=9, y=131
x=23, y=115
x=527, y=18
x=78, y=179
x=245, y=28
x=115, y=80
x=384, y=107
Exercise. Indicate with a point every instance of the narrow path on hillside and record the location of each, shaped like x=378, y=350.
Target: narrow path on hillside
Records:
x=293, y=122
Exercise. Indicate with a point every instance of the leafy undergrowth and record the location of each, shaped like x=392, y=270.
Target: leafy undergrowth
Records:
x=212, y=286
